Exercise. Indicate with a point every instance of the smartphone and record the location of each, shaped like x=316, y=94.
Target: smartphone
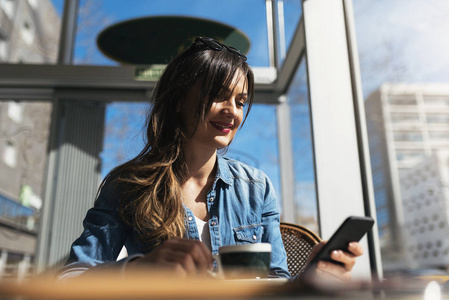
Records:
x=351, y=230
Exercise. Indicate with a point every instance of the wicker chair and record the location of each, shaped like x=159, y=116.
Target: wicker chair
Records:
x=298, y=242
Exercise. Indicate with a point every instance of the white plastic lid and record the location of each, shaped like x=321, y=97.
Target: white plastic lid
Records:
x=256, y=247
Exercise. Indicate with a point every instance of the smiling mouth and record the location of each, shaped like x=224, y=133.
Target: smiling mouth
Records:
x=223, y=127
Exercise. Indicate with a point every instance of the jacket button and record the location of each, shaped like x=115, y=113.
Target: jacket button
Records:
x=213, y=223
x=254, y=237
x=190, y=218
x=211, y=199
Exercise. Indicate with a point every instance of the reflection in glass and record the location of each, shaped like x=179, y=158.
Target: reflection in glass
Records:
x=439, y=136
x=402, y=100
x=407, y=116
x=404, y=118
x=29, y=33
x=397, y=64
x=409, y=155
x=123, y=139
x=398, y=149
x=407, y=136
x=24, y=133
x=436, y=102
x=437, y=118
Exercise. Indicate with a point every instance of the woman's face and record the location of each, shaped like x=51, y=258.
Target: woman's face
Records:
x=222, y=120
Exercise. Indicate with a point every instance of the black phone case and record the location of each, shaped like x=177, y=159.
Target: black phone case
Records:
x=351, y=230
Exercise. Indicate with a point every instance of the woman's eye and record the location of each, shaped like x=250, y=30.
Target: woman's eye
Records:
x=241, y=103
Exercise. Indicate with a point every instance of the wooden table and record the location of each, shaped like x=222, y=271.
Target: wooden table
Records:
x=111, y=286
x=139, y=286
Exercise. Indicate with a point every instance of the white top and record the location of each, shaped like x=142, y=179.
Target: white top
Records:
x=203, y=231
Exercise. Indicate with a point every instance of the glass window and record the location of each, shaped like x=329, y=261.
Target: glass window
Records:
x=8, y=7
x=381, y=196
x=33, y=3
x=439, y=136
x=32, y=35
x=378, y=180
x=28, y=30
x=409, y=155
x=404, y=118
x=436, y=101
x=401, y=79
x=34, y=38
x=17, y=214
x=398, y=100
x=257, y=145
x=382, y=218
x=123, y=139
x=304, y=171
x=408, y=136
x=10, y=154
x=3, y=48
x=23, y=148
x=95, y=16
x=15, y=110
x=442, y=118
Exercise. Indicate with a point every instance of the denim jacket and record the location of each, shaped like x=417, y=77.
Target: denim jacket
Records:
x=242, y=206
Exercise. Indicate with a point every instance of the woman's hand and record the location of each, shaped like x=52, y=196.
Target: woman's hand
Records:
x=182, y=256
x=329, y=270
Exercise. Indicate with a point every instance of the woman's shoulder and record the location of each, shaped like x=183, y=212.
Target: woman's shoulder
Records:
x=112, y=190
x=112, y=183
x=244, y=171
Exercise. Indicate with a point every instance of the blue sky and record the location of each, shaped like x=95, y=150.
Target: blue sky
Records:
x=402, y=41
x=116, y=11
x=109, y=12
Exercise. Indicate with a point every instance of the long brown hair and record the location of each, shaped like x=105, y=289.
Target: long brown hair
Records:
x=150, y=184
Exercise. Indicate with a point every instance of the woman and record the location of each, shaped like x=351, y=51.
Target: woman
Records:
x=177, y=202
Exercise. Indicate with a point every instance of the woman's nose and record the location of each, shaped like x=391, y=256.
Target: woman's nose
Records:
x=230, y=108
x=231, y=105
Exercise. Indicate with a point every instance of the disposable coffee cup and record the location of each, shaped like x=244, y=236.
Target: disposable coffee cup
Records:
x=248, y=261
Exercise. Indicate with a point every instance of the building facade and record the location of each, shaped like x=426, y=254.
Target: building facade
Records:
x=408, y=124
x=425, y=201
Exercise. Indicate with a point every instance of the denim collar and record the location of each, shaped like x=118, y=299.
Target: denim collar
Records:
x=223, y=171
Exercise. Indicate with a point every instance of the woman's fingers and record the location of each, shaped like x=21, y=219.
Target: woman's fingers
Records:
x=190, y=252
x=355, y=248
x=184, y=260
x=183, y=256
x=346, y=259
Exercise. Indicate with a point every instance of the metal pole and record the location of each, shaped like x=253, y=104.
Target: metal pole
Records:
x=286, y=161
x=272, y=33
x=68, y=32
x=281, y=30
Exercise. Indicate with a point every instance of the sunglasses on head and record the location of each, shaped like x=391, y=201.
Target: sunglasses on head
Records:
x=215, y=45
